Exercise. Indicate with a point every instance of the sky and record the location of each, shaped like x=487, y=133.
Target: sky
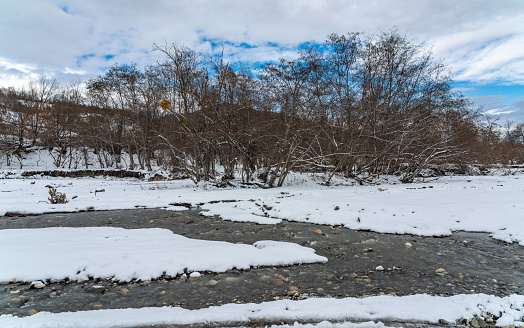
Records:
x=481, y=41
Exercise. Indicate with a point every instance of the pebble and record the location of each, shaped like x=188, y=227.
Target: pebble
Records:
x=37, y=284
x=212, y=282
x=293, y=288
x=440, y=270
x=232, y=280
x=353, y=275
x=379, y=268
x=183, y=277
x=123, y=291
x=97, y=306
x=408, y=245
x=32, y=312
x=277, y=281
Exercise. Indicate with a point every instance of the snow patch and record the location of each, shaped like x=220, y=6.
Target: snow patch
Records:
x=414, y=308
x=126, y=254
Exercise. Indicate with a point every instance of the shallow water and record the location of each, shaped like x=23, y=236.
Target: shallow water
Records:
x=473, y=263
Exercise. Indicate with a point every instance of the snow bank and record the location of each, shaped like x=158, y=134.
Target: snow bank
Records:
x=491, y=204
x=327, y=324
x=124, y=254
x=415, y=308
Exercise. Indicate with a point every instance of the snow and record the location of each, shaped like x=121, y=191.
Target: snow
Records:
x=126, y=254
x=414, y=308
x=327, y=324
x=492, y=204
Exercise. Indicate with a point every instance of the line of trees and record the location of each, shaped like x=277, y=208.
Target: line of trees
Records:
x=362, y=106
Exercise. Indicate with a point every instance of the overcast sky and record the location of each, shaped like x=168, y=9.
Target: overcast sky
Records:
x=482, y=41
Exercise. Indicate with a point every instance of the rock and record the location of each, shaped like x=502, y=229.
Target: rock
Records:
x=265, y=277
x=318, y=231
x=123, y=291
x=232, y=280
x=183, y=277
x=293, y=288
x=277, y=281
x=353, y=275
x=337, y=208
x=320, y=290
x=96, y=289
x=440, y=270
x=478, y=323
x=97, y=306
x=212, y=282
x=18, y=301
x=37, y=284
x=32, y=312
x=379, y=268
x=408, y=245
x=194, y=276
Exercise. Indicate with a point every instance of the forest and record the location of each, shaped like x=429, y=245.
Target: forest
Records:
x=360, y=106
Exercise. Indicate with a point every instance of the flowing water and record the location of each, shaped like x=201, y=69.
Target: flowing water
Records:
x=459, y=264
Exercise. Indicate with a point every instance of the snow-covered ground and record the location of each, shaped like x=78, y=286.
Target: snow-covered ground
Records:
x=126, y=254
x=415, y=308
x=493, y=204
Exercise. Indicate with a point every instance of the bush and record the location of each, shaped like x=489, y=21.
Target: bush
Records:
x=56, y=197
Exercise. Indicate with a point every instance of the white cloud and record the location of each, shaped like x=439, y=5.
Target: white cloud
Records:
x=481, y=40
